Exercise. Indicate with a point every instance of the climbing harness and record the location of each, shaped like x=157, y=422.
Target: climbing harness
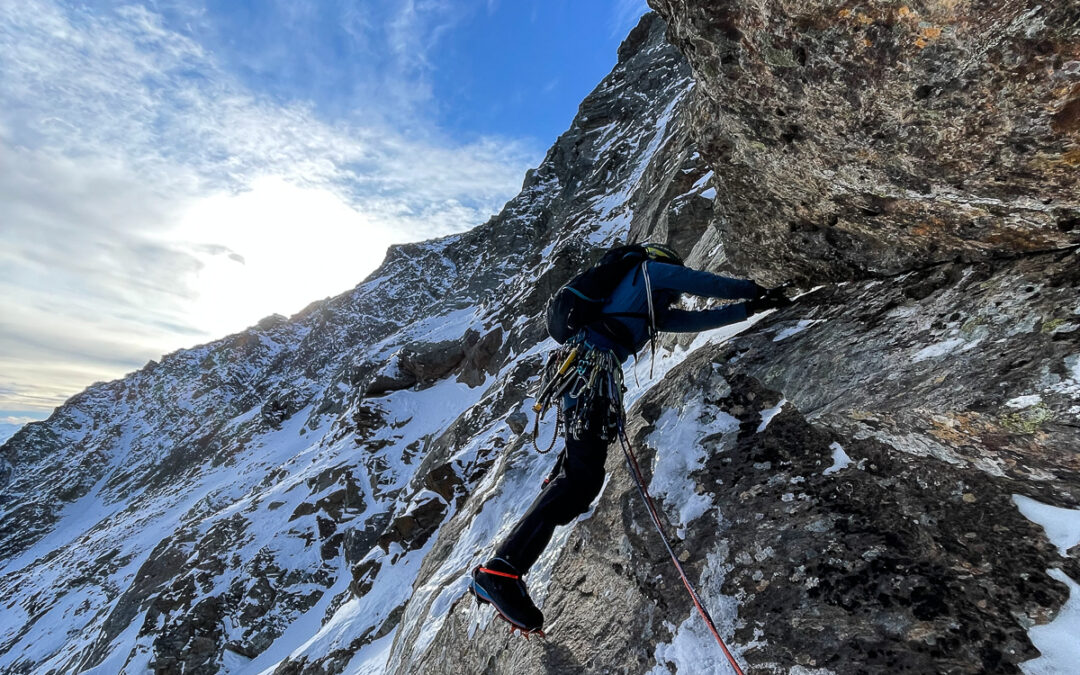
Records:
x=635, y=471
x=592, y=378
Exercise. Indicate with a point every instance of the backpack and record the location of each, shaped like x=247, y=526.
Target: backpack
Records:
x=578, y=303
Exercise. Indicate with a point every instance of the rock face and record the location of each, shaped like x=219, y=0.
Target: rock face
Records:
x=843, y=477
x=858, y=139
x=848, y=480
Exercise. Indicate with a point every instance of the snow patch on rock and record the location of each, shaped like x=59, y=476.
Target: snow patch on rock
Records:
x=679, y=453
x=1062, y=525
x=1057, y=640
x=1024, y=401
x=769, y=413
x=799, y=327
x=840, y=459
x=693, y=648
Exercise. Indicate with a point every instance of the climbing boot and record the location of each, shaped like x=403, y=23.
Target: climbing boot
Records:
x=499, y=584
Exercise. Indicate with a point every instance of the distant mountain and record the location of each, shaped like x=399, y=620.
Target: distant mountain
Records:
x=7, y=430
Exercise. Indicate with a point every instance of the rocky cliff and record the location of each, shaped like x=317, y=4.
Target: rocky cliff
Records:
x=864, y=139
x=881, y=478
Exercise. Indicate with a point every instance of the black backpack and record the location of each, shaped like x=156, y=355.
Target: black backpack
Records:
x=578, y=303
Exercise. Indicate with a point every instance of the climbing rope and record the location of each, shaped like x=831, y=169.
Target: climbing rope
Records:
x=652, y=320
x=635, y=471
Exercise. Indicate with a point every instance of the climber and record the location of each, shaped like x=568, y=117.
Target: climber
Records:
x=638, y=285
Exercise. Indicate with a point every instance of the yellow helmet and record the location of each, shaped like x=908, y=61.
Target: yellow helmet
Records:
x=662, y=253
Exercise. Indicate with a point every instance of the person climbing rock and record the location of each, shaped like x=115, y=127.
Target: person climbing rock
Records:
x=602, y=317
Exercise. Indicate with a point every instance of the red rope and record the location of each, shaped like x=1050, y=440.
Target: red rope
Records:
x=635, y=470
x=499, y=574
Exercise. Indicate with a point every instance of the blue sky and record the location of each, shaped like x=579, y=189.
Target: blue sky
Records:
x=516, y=68
x=173, y=170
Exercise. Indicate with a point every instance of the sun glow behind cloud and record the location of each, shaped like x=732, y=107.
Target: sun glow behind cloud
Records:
x=149, y=200
x=282, y=246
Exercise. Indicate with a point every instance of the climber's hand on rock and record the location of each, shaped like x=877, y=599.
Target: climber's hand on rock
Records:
x=773, y=298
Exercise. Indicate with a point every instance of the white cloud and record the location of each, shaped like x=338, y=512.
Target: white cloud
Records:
x=17, y=420
x=136, y=174
x=277, y=229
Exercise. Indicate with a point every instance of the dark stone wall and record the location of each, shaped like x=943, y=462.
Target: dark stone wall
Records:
x=852, y=139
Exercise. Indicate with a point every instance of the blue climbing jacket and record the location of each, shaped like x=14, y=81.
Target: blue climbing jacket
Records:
x=667, y=282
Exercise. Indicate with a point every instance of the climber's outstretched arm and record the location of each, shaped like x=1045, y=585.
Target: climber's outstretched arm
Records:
x=664, y=276
x=683, y=321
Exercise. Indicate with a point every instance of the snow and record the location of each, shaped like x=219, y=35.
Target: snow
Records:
x=371, y=659
x=679, y=452
x=300, y=630
x=1062, y=525
x=129, y=529
x=76, y=519
x=7, y=430
x=449, y=326
x=1057, y=641
x=503, y=504
x=709, y=194
x=1024, y=401
x=637, y=378
x=231, y=662
x=769, y=413
x=840, y=459
x=704, y=180
x=802, y=325
x=119, y=649
x=693, y=648
x=611, y=207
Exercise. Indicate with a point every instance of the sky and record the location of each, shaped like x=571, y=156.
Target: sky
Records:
x=171, y=171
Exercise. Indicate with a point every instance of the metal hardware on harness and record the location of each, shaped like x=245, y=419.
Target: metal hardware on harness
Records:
x=554, y=436
x=592, y=377
x=548, y=381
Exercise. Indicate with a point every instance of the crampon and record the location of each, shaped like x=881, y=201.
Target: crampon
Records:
x=505, y=592
x=514, y=628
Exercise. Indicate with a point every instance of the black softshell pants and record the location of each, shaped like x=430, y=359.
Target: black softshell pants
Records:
x=568, y=493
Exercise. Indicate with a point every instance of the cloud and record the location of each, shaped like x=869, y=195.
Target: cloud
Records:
x=17, y=420
x=151, y=199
